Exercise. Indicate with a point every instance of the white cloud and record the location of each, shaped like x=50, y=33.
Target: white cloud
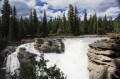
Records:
x=111, y=12
x=23, y=6
x=50, y=13
x=30, y=3
x=100, y=5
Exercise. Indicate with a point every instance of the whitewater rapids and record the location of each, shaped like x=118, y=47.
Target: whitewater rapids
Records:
x=73, y=62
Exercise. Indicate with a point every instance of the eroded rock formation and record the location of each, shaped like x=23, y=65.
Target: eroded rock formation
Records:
x=104, y=58
x=49, y=45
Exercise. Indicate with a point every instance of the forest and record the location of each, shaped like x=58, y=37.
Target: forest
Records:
x=13, y=27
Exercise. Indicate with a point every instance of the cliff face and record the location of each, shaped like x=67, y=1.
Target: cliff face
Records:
x=104, y=59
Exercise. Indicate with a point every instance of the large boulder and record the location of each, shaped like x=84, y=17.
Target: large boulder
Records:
x=104, y=59
x=25, y=56
x=49, y=45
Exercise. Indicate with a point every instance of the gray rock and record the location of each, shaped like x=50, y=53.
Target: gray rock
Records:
x=45, y=48
x=25, y=56
x=49, y=45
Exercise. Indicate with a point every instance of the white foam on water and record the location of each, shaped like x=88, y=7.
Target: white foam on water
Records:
x=73, y=62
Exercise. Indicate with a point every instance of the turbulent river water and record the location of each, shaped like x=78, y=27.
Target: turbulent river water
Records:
x=73, y=62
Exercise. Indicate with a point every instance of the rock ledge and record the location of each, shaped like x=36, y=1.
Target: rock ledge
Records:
x=104, y=58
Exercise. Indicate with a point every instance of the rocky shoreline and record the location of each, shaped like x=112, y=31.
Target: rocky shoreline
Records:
x=104, y=58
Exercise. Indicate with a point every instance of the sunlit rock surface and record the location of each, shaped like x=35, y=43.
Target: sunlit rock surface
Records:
x=104, y=58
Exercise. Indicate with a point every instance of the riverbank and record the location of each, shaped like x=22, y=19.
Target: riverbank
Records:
x=80, y=36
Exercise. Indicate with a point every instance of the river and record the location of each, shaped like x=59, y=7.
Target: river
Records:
x=73, y=62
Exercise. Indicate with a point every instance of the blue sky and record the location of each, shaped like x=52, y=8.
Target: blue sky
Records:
x=56, y=8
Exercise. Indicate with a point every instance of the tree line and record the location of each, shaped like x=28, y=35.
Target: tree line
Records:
x=13, y=28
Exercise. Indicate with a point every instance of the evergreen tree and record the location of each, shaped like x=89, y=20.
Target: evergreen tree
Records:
x=76, y=22
x=50, y=25
x=110, y=26
x=5, y=18
x=80, y=26
x=44, y=25
x=35, y=22
x=90, y=27
x=95, y=28
x=71, y=19
x=99, y=24
x=104, y=25
x=10, y=35
x=15, y=26
x=64, y=24
x=20, y=27
x=85, y=23
x=30, y=29
x=117, y=24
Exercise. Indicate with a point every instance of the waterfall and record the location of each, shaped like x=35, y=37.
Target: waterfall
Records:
x=73, y=62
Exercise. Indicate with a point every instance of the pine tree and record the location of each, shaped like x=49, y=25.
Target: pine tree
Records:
x=20, y=27
x=110, y=25
x=85, y=23
x=35, y=22
x=31, y=29
x=50, y=25
x=44, y=25
x=64, y=24
x=71, y=19
x=99, y=24
x=95, y=28
x=117, y=24
x=104, y=25
x=76, y=22
x=10, y=35
x=5, y=18
x=15, y=26
x=90, y=27
x=80, y=26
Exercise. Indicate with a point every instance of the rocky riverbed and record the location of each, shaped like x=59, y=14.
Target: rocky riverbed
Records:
x=104, y=58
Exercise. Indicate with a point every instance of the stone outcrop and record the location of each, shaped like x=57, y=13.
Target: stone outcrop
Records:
x=25, y=56
x=49, y=45
x=104, y=58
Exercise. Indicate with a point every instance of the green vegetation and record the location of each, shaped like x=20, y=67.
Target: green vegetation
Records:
x=37, y=70
x=14, y=28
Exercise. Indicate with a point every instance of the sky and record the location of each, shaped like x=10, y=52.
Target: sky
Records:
x=56, y=8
